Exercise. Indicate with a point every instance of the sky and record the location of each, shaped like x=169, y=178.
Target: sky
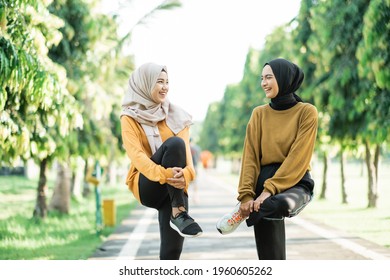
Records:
x=203, y=43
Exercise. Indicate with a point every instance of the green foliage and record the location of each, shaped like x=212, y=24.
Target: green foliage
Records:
x=230, y=137
x=80, y=54
x=337, y=31
x=374, y=66
x=373, y=51
x=33, y=87
x=209, y=135
x=64, y=72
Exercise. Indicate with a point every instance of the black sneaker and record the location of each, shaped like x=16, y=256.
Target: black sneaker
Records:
x=185, y=225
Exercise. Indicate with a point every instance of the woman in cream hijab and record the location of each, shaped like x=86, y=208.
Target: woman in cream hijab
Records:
x=155, y=135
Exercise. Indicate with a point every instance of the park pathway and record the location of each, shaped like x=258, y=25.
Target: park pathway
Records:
x=137, y=237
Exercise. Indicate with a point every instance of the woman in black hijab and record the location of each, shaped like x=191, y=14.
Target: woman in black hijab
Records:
x=289, y=78
x=275, y=181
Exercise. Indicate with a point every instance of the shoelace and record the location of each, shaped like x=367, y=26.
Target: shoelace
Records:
x=236, y=218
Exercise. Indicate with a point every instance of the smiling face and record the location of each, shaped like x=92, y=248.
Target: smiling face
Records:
x=160, y=89
x=269, y=83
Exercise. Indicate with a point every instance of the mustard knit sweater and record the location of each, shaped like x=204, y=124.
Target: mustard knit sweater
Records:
x=273, y=136
x=138, y=150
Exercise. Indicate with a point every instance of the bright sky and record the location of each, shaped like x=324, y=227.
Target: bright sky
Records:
x=204, y=43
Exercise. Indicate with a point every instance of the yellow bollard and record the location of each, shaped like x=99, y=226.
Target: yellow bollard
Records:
x=109, y=212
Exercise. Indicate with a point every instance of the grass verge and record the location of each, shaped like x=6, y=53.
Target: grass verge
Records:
x=58, y=237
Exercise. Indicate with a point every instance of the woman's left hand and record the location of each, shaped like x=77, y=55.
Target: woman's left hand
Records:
x=178, y=181
x=257, y=203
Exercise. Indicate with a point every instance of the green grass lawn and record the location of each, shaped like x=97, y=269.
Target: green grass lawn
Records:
x=58, y=237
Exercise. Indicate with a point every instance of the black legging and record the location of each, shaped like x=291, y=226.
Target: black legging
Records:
x=268, y=223
x=172, y=153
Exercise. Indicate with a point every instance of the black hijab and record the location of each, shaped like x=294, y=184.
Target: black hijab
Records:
x=289, y=77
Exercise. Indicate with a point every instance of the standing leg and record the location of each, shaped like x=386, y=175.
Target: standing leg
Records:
x=270, y=239
x=171, y=241
x=154, y=195
x=268, y=223
x=164, y=197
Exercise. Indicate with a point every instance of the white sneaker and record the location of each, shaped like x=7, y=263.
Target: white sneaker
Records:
x=229, y=222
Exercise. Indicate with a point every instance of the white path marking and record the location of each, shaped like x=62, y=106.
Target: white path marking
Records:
x=348, y=244
x=130, y=249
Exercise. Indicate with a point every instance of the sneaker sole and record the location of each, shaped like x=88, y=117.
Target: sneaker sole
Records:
x=183, y=234
x=224, y=232
x=228, y=231
x=220, y=231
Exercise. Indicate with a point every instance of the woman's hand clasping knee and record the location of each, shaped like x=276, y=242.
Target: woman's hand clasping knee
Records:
x=178, y=181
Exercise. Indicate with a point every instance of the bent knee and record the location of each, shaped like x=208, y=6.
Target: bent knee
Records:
x=176, y=142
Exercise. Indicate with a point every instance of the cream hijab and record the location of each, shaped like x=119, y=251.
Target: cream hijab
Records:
x=139, y=105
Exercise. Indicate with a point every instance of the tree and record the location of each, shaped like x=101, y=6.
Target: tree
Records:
x=374, y=63
x=54, y=112
x=33, y=88
x=86, y=38
x=337, y=27
x=91, y=51
x=209, y=135
x=307, y=60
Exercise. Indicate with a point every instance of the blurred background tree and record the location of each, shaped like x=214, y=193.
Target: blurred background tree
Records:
x=63, y=70
x=342, y=47
x=37, y=108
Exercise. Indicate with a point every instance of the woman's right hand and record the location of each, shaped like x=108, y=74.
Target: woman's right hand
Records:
x=246, y=208
x=178, y=181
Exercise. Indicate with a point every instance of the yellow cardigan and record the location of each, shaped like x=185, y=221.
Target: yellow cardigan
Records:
x=138, y=150
x=272, y=136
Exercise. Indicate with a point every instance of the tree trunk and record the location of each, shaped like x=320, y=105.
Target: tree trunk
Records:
x=324, y=176
x=342, y=173
x=61, y=195
x=376, y=161
x=372, y=175
x=236, y=164
x=77, y=178
x=86, y=187
x=40, y=210
x=112, y=173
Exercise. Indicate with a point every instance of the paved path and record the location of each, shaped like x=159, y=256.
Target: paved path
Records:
x=138, y=238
